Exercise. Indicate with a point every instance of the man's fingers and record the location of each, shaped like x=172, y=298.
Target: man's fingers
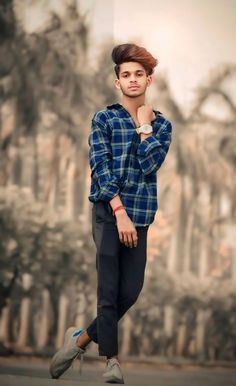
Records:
x=130, y=239
x=135, y=239
x=121, y=237
x=126, y=239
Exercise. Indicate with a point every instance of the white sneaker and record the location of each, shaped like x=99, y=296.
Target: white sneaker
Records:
x=113, y=373
x=64, y=358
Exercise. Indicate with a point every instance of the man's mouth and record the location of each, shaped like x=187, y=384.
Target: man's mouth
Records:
x=134, y=87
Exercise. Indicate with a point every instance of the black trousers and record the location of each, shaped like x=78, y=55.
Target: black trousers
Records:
x=120, y=277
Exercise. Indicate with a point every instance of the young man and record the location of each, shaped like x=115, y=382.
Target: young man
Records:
x=128, y=143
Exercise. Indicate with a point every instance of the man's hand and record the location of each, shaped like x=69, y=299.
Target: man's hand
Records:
x=126, y=229
x=145, y=115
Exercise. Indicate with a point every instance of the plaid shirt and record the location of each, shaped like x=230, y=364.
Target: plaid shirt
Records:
x=123, y=165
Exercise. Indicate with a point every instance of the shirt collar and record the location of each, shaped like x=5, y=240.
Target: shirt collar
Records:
x=118, y=106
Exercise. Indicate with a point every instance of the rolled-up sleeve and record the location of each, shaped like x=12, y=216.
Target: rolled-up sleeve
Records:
x=152, y=151
x=100, y=159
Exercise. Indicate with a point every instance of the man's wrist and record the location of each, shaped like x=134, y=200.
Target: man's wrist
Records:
x=118, y=208
x=144, y=136
x=120, y=213
x=145, y=123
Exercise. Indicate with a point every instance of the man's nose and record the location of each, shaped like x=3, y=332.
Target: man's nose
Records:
x=133, y=78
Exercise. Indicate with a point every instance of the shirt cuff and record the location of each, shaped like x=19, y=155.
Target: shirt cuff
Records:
x=148, y=145
x=108, y=192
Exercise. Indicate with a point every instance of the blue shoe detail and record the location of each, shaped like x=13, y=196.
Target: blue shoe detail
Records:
x=78, y=333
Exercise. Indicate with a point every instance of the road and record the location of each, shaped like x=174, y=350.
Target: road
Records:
x=36, y=374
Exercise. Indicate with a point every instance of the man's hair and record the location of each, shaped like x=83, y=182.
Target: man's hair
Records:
x=132, y=53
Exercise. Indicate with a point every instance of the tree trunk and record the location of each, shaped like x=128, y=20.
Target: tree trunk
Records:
x=22, y=339
x=187, y=244
x=86, y=203
x=70, y=192
x=181, y=336
x=81, y=307
x=42, y=334
x=203, y=257
x=234, y=268
x=4, y=325
x=62, y=314
x=169, y=319
x=202, y=317
x=172, y=257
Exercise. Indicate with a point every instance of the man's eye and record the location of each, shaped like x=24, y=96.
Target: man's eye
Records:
x=140, y=74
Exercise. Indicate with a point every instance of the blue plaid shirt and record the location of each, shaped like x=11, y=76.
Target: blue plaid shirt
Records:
x=123, y=165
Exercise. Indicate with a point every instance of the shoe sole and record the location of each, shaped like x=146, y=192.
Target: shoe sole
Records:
x=114, y=379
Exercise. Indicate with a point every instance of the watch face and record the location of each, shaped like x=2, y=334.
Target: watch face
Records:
x=146, y=129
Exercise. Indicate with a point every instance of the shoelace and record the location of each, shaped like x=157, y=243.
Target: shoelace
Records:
x=112, y=362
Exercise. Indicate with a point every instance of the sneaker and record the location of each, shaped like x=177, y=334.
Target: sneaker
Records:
x=64, y=358
x=113, y=373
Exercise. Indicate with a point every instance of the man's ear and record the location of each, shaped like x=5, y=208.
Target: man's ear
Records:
x=117, y=83
x=149, y=80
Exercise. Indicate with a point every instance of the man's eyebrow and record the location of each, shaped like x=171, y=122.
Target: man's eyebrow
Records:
x=128, y=72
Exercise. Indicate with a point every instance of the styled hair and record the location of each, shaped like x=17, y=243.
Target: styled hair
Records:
x=132, y=53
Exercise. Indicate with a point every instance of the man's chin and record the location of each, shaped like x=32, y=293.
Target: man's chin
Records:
x=134, y=94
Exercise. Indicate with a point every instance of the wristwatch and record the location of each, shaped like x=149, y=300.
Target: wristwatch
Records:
x=144, y=129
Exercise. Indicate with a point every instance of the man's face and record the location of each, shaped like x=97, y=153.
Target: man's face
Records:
x=133, y=80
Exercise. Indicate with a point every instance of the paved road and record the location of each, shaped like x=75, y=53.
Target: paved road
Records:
x=37, y=375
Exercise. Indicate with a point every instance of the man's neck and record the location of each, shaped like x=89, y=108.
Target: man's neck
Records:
x=132, y=104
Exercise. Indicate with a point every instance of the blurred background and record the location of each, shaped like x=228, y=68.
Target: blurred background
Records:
x=55, y=73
